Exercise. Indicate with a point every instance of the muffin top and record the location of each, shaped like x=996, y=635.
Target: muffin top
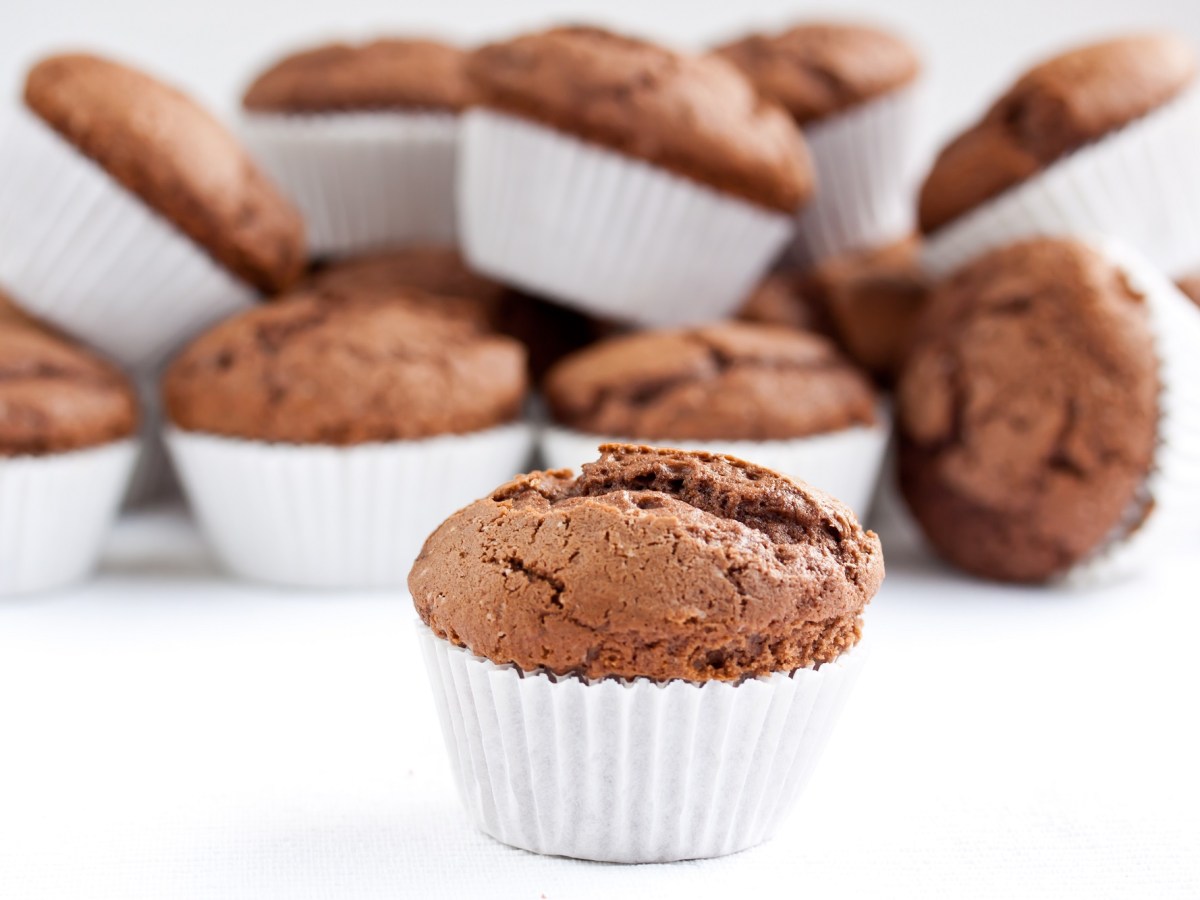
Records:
x=307, y=371
x=727, y=381
x=823, y=68
x=1028, y=411
x=1191, y=287
x=178, y=159
x=660, y=564
x=391, y=73
x=1054, y=109
x=55, y=396
x=779, y=299
x=696, y=116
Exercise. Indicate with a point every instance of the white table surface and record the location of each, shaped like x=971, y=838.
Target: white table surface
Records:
x=168, y=733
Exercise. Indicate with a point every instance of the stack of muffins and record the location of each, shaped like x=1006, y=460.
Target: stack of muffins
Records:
x=411, y=267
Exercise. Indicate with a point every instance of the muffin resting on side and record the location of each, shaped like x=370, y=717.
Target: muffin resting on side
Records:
x=67, y=419
x=624, y=178
x=359, y=408
x=677, y=573
x=363, y=137
x=782, y=398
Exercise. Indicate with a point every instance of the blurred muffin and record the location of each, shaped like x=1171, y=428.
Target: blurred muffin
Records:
x=676, y=573
x=625, y=179
x=363, y=138
x=853, y=89
x=66, y=422
x=782, y=398
x=780, y=299
x=1084, y=143
x=1191, y=287
x=132, y=218
x=1036, y=425
x=319, y=442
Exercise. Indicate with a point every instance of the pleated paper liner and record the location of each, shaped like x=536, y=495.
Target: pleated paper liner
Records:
x=55, y=512
x=865, y=162
x=366, y=180
x=631, y=771
x=605, y=233
x=1140, y=185
x=81, y=252
x=336, y=517
x=846, y=464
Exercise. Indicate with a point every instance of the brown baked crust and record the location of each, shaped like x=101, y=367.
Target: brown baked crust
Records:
x=872, y=300
x=1191, y=287
x=696, y=116
x=385, y=74
x=1028, y=411
x=307, y=371
x=659, y=564
x=178, y=159
x=819, y=69
x=56, y=396
x=1056, y=108
x=781, y=299
x=727, y=381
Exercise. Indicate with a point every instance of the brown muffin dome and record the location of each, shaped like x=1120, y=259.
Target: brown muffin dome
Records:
x=817, y=70
x=391, y=73
x=660, y=564
x=696, y=116
x=1191, y=287
x=307, y=371
x=1028, y=411
x=780, y=299
x=178, y=159
x=56, y=397
x=728, y=381
x=1053, y=110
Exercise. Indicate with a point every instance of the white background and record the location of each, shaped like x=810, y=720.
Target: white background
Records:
x=167, y=733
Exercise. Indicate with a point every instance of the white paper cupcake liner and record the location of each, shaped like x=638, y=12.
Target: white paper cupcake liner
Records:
x=363, y=180
x=845, y=464
x=55, y=512
x=317, y=516
x=631, y=772
x=606, y=233
x=81, y=252
x=1174, y=481
x=865, y=163
x=1140, y=185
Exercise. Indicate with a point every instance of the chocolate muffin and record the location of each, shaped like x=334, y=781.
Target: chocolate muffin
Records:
x=174, y=156
x=56, y=397
x=696, y=116
x=781, y=299
x=389, y=73
x=656, y=564
x=1055, y=109
x=818, y=70
x=366, y=369
x=1028, y=412
x=730, y=381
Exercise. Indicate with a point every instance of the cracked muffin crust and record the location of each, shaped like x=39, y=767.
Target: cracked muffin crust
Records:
x=1056, y=108
x=1028, y=411
x=820, y=69
x=56, y=396
x=728, y=381
x=177, y=158
x=385, y=74
x=307, y=371
x=661, y=564
x=696, y=116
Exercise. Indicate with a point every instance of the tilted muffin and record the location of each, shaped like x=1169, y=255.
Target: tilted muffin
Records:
x=633, y=181
x=363, y=137
x=784, y=399
x=66, y=423
x=319, y=442
x=854, y=90
x=1084, y=143
x=446, y=285
x=704, y=584
x=132, y=218
x=1042, y=407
